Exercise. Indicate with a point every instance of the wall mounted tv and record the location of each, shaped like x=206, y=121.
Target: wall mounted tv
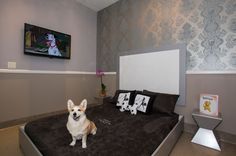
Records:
x=45, y=42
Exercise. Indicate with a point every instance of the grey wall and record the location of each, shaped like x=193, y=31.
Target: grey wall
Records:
x=220, y=84
x=25, y=95
x=208, y=27
x=65, y=16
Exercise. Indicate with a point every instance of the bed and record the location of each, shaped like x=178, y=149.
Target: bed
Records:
x=119, y=133
x=115, y=136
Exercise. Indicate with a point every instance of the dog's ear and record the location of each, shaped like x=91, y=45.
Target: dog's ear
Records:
x=70, y=105
x=83, y=104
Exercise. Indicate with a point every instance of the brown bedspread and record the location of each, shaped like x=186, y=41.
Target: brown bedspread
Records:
x=118, y=134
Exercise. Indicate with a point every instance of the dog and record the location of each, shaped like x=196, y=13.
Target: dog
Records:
x=78, y=125
x=137, y=104
x=207, y=106
x=124, y=106
x=51, y=43
x=133, y=109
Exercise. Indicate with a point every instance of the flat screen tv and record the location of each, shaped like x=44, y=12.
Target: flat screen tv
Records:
x=46, y=42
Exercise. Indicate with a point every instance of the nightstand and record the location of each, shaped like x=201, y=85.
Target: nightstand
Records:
x=100, y=100
x=205, y=135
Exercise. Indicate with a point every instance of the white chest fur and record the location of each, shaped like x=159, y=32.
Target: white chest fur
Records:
x=77, y=128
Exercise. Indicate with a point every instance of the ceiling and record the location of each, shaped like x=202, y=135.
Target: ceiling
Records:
x=97, y=5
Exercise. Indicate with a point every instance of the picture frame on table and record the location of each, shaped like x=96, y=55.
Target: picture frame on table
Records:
x=209, y=104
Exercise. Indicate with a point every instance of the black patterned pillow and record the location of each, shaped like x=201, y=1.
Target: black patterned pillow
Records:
x=142, y=103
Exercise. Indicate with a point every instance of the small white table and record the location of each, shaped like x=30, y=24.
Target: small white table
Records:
x=205, y=134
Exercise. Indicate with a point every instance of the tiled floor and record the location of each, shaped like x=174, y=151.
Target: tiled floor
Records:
x=9, y=146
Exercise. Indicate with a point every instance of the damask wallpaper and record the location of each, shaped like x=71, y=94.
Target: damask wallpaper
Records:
x=207, y=27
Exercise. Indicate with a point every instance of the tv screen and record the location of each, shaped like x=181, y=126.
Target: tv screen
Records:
x=45, y=42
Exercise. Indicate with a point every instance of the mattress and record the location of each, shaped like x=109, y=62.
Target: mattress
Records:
x=118, y=134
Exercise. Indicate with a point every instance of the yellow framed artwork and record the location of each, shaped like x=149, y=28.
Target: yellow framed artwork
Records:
x=209, y=104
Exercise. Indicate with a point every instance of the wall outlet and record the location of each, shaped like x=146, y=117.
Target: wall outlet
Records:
x=11, y=65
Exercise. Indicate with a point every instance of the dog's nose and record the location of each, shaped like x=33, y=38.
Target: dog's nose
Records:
x=74, y=114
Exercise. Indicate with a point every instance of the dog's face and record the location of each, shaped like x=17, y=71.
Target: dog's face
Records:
x=76, y=111
x=50, y=39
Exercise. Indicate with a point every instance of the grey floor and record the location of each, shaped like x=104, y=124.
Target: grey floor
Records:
x=9, y=146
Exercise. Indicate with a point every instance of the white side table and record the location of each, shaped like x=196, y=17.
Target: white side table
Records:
x=205, y=134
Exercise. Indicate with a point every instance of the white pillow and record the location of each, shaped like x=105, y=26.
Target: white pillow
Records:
x=141, y=102
x=123, y=101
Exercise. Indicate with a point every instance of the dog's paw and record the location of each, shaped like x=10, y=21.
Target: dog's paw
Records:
x=94, y=132
x=133, y=112
x=72, y=143
x=84, y=146
x=122, y=109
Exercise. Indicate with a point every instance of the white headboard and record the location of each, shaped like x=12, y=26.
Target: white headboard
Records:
x=160, y=70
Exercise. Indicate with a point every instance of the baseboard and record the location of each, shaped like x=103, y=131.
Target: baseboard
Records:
x=222, y=136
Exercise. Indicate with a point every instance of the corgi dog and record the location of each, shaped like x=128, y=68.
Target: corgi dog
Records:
x=78, y=125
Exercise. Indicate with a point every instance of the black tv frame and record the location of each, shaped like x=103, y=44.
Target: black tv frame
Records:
x=41, y=54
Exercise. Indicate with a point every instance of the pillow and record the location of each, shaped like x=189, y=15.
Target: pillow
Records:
x=142, y=103
x=115, y=98
x=123, y=101
x=163, y=103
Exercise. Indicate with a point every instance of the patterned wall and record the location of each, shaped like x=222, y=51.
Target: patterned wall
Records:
x=208, y=27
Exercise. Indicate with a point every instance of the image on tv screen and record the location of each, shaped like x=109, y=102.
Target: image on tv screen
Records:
x=45, y=42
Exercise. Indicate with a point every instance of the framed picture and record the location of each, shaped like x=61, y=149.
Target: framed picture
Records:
x=209, y=104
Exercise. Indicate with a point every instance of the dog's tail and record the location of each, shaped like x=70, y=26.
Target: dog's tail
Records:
x=93, y=128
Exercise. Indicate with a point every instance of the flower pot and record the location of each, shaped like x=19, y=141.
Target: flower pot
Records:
x=103, y=93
